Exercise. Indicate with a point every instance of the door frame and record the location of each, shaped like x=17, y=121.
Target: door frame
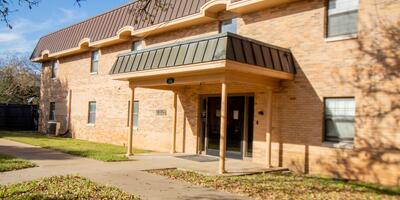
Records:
x=203, y=145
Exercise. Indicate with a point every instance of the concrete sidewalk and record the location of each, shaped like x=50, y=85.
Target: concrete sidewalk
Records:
x=128, y=176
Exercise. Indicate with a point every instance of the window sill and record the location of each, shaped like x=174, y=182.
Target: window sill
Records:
x=91, y=125
x=342, y=37
x=339, y=145
x=54, y=78
x=94, y=73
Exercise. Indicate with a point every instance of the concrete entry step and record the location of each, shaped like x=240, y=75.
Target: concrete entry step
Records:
x=199, y=158
x=202, y=164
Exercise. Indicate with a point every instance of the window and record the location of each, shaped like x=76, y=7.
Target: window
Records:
x=95, y=62
x=54, y=68
x=92, y=112
x=339, y=119
x=136, y=45
x=52, y=114
x=135, y=114
x=342, y=17
x=228, y=26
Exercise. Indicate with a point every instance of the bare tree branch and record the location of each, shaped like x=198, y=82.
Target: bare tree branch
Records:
x=6, y=10
x=143, y=10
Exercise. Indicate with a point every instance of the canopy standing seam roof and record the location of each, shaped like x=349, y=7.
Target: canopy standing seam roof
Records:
x=224, y=46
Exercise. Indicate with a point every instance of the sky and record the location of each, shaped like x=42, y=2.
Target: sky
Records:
x=49, y=16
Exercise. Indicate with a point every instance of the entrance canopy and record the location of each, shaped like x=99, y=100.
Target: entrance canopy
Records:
x=222, y=59
x=209, y=55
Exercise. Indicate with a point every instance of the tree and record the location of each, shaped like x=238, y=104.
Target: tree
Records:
x=141, y=9
x=19, y=80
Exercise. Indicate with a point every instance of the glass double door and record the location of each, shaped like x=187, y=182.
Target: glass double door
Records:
x=236, y=116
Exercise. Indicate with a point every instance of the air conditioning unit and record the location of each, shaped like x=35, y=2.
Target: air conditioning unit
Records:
x=53, y=128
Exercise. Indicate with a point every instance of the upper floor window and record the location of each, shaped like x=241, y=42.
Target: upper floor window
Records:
x=342, y=18
x=95, y=61
x=229, y=25
x=339, y=119
x=52, y=113
x=136, y=45
x=92, y=112
x=54, y=68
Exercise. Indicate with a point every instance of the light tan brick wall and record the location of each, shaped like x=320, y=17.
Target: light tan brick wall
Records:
x=325, y=69
x=364, y=68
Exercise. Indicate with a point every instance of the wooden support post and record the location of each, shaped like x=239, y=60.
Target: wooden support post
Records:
x=222, y=140
x=174, y=114
x=269, y=128
x=131, y=116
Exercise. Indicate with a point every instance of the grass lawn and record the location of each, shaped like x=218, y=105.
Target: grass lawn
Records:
x=61, y=187
x=9, y=163
x=285, y=186
x=98, y=151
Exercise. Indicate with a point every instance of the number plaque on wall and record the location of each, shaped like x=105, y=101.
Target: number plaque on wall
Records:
x=161, y=112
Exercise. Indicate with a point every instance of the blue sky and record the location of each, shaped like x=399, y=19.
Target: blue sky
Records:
x=48, y=16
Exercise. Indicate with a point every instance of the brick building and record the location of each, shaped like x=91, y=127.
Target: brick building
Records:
x=312, y=85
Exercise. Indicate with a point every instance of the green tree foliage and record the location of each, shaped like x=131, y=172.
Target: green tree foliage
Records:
x=19, y=80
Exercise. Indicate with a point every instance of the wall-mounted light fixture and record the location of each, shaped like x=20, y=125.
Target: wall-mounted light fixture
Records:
x=170, y=81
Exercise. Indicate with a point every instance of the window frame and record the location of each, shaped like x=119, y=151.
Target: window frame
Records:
x=233, y=21
x=54, y=69
x=343, y=36
x=89, y=112
x=52, y=113
x=92, y=61
x=135, y=115
x=327, y=139
x=140, y=42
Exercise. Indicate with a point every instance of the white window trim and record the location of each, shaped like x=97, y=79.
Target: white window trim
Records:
x=140, y=45
x=341, y=37
x=98, y=62
x=88, y=117
x=233, y=20
x=339, y=145
x=137, y=114
x=56, y=62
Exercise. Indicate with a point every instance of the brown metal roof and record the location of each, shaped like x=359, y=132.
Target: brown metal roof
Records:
x=106, y=25
x=224, y=46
